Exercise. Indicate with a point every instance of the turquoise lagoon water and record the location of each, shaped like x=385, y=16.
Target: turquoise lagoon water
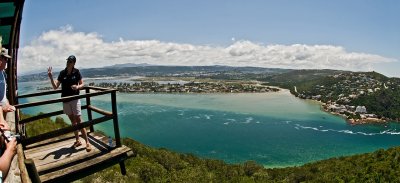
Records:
x=273, y=129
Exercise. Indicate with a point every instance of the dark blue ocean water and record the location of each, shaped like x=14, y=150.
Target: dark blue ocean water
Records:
x=274, y=129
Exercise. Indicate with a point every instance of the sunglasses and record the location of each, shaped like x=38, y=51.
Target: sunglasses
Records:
x=70, y=61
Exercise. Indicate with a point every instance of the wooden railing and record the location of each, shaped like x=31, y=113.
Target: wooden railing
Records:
x=89, y=92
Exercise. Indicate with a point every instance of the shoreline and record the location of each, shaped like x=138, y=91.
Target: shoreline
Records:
x=267, y=89
x=353, y=121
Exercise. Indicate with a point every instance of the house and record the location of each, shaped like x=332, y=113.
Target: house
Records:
x=316, y=97
x=361, y=109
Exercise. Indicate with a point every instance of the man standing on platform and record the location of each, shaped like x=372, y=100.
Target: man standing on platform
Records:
x=71, y=81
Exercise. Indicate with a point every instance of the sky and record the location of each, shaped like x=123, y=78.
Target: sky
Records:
x=356, y=35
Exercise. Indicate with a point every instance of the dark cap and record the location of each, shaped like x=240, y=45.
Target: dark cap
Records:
x=72, y=58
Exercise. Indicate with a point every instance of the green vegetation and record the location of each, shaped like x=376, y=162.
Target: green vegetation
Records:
x=378, y=93
x=300, y=78
x=43, y=125
x=161, y=165
x=384, y=103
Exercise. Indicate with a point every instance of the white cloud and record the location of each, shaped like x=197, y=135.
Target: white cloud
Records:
x=53, y=47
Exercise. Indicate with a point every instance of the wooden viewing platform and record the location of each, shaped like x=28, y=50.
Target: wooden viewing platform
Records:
x=50, y=156
x=57, y=161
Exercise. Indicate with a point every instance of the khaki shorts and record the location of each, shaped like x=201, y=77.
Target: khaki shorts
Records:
x=72, y=107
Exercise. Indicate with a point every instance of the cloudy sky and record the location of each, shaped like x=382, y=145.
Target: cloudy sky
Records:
x=358, y=35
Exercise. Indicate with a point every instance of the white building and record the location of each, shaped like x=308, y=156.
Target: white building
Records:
x=361, y=109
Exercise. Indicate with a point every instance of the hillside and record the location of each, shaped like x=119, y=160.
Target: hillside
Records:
x=342, y=91
x=161, y=165
x=216, y=71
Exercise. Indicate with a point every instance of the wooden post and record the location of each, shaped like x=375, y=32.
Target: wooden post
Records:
x=33, y=174
x=24, y=174
x=115, y=118
x=116, y=128
x=16, y=117
x=89, y=111
x=122, y=166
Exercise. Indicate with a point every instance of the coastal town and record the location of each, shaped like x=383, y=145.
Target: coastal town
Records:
x=341, y=89
x=189, y=87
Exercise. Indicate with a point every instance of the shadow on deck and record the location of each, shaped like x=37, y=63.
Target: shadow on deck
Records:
x=50, y=156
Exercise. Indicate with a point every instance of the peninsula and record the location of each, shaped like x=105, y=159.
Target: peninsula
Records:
x=193, y=86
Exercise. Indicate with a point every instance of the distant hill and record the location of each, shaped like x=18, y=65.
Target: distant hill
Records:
x=129, y=65
x=299, y=76
x=153, y=70
x=172, y=70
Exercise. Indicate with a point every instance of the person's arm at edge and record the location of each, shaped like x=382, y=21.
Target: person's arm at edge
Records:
x=55, y=83
x=6, y=158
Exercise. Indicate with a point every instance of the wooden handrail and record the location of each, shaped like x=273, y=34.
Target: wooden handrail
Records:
x=59, y=91
x=62, y=99
x=55, y=113
x=33, y=173
x=100, y=111
x=21, y=164
x=107, y=115
x=40, y=116
x=39, y=94
x=89, y=92
x=98, y=88
x=45, y=115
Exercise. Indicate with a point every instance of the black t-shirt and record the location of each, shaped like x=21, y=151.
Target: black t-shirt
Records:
x=67, y=80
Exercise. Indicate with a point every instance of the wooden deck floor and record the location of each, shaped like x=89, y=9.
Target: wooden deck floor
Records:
x=56, y=159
